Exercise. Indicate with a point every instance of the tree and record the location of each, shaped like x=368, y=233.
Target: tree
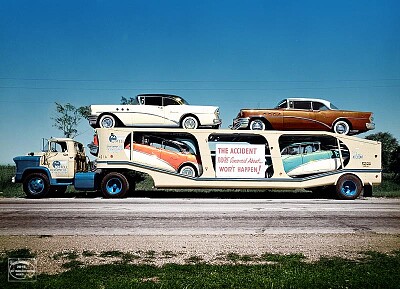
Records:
x=131, y=100
x=395, y=162
x=68, y=118
x=389, y=146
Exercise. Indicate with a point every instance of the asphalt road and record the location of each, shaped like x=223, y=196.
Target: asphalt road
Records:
x=143, y=216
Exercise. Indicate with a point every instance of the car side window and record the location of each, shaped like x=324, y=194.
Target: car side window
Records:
x=302, y=104
x=169, y=101
x=319, y=106
x=171, y=147
x=154, y=100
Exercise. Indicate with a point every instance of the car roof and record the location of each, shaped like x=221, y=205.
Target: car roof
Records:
x=305, y=143
x=323, y=101
x=158, y=94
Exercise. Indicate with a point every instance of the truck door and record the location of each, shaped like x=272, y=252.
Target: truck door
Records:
x=60, y=162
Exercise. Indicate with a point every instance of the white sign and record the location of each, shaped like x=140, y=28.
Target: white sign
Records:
x=240, y=161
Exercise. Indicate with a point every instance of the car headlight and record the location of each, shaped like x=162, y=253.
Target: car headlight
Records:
x=216, y=113
x=371, y=118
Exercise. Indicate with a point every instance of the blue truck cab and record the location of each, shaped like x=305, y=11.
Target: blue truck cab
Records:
x=62, y=162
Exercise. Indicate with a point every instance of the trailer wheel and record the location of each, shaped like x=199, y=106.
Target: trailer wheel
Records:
x=348, y=187
x=114, y=185
x=36, y=185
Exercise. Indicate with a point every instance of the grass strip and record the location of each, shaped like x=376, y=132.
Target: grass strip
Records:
x=372, y=270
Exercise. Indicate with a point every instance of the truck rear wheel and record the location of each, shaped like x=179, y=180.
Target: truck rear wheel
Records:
x=348, y=187
x=36, y=185
x=114, y=185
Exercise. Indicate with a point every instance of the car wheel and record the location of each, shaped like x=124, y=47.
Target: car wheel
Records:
x=107, y=121
x=114, y=185
x=348, y=187
x=188, y=171
x=190, y=122
x=36, y=185
x=257, y=124
x=341, y=127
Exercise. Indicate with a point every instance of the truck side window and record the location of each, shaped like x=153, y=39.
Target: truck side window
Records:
x=58, y=147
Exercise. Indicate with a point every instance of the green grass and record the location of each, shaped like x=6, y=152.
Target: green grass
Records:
x=7, y=188
x=372, y=270
x=390, y=187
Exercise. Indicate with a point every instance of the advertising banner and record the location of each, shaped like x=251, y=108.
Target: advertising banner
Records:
x=240, y=161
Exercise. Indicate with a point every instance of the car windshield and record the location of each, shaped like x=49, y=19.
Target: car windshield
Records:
x=282, y=104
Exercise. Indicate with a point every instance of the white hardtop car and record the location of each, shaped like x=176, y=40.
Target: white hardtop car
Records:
x=155, y=110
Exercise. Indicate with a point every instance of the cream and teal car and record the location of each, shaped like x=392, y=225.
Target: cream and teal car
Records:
x=308, y=158
x=155, y=110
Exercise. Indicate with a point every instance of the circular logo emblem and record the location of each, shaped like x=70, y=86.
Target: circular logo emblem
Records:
x=56, y=164
x=113, y=138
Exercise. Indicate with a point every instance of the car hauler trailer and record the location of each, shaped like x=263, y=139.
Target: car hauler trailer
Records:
x=204, y=159
x=232, y=160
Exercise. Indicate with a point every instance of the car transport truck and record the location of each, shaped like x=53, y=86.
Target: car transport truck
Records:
x=204, y=159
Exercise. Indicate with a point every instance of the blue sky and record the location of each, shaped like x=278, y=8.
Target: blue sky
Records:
x=233, y=54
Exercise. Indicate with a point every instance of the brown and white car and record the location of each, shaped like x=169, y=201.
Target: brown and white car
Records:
x=305, y=114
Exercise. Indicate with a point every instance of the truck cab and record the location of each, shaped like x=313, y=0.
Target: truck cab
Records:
x=52, y=169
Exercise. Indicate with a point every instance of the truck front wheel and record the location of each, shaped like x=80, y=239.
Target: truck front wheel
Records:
x=36, y=185
x=114, y=185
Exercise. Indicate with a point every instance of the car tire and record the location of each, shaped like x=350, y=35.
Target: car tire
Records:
x=190, y=122
x=36, y=185
x=107, y=121
x=348, y=187
x=257, y=124
x=114, y=185
x=341, y=127
x=188, y=170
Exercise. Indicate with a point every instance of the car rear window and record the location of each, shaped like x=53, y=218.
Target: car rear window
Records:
x=319, y=106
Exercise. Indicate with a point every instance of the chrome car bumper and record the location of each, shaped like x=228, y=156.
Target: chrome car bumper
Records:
x=217, y=121
x=240, y=123
x=370, y=125
x=92, y=120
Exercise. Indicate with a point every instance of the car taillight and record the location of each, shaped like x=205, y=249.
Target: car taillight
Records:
x=96, y=140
